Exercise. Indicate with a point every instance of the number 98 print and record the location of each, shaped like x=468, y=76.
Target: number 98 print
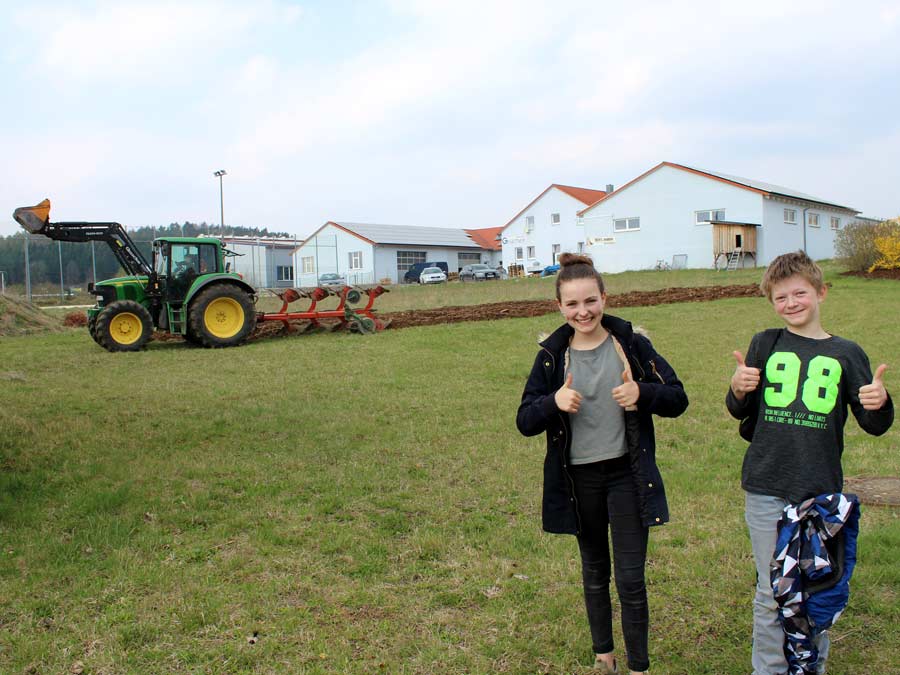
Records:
x=820, y=388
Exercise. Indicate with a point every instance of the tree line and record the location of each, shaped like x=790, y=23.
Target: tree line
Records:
x=78, y=262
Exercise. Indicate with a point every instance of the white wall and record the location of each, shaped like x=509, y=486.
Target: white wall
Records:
x=330, y=250
x=666, y=201
x=567, y=234
x=780, y=237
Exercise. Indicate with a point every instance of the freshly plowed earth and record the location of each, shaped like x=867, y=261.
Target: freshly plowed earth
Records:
x=528, y=308
x=877, y=274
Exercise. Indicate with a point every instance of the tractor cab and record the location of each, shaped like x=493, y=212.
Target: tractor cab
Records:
x=179, y=262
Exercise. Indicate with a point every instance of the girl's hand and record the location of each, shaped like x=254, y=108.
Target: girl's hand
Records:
x=873, y=396
x=745, y=379
x=627, y=393
x=567, y=399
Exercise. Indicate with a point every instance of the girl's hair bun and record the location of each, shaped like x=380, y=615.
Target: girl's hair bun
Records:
x=566, y=259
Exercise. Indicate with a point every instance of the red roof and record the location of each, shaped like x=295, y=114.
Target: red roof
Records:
x=486, y=237
x=584, y=195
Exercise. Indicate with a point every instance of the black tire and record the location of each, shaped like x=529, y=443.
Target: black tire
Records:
x=92, y=327
x=221, y=315
x=123, y=326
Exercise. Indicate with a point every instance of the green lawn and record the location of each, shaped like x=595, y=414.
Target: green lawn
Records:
x=365, y=504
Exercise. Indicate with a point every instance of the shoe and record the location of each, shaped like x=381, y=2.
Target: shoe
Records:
x=601, y=668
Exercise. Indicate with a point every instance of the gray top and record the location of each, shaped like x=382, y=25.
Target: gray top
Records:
x=598, y=429
x=806, y=388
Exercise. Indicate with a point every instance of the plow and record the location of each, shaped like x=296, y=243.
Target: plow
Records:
x=188, y=289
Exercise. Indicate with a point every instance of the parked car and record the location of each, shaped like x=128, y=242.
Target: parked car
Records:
x=550, y=270
x=415, y=271
x=533, y=266
x=478, y=272
x=332, y=279
x=432, y=275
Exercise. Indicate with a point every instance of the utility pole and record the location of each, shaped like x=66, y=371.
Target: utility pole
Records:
x=219, y=174
x=27, y=272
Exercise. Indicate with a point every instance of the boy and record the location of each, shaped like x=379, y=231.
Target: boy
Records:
x=801, y=392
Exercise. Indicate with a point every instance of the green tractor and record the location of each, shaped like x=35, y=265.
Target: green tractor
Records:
x=188, y=289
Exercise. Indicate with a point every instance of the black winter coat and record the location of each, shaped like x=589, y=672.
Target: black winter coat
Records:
x=661, y=393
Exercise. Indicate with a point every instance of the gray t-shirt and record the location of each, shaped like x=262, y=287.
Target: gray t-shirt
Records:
x=805, y=390
x=598, y=429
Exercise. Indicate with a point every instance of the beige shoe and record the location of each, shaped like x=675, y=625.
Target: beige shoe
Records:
x=601, y=668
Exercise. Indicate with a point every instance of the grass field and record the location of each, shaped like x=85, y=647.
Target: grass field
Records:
x=365, y=504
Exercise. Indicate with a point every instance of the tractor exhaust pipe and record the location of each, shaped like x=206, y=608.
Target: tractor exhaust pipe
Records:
x=33, y=218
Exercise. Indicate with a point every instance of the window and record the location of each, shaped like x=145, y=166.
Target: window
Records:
x=309, y=264
x=835, y=223
x=529, y=224
x=581, y=247
x=355, y=260
x=406, y=259
x=284, y=272
x=790, y=216
x=555, y=253
x=531, y=251
x=468, y=258
x=554, y=219
x=707, y=216
x=519, y=255
x=812, y=219
x=626, y=224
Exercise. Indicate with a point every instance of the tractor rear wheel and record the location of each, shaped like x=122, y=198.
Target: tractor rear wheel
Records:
x=123, y=326
x=221, y=316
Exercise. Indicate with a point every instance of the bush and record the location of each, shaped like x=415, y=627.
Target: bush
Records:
x=855, y=247
x=888, y=248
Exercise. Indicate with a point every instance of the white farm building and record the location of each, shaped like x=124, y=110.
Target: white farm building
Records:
x=365, y=253
x=691, y=217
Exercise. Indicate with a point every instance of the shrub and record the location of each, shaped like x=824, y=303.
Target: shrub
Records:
x=855, y=247
x=888, y=248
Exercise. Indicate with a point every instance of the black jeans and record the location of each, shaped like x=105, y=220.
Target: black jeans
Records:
x=607, y=500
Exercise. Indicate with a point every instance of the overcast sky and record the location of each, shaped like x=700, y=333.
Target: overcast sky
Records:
x=419, y=112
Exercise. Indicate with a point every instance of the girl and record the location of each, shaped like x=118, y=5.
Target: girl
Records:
x=593, y=388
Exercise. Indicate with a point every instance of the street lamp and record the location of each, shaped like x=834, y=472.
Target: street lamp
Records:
x=218, y=174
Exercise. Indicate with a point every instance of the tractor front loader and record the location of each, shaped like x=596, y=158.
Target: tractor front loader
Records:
x=187, y=290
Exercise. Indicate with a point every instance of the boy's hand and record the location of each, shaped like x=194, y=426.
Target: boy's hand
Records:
x=627, y=393
x=567, y=399
x=745, y=379
x=873, y=396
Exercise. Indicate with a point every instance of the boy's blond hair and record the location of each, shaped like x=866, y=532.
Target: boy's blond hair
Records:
x=788, y=265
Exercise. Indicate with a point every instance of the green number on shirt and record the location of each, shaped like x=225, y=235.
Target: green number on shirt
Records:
x=820, y=391
x=782, y=368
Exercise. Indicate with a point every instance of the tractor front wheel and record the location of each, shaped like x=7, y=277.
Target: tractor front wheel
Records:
x=221, y=316
x=123, y=326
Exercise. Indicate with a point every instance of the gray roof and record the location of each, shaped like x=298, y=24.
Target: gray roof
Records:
x=407, y=235
x=769, y=187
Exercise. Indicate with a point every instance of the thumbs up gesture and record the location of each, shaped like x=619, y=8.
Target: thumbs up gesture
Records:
x=873, y=396
x=627, y=393
x=567, y=399
x=745, y=379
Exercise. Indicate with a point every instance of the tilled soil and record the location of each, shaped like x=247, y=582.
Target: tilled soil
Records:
x=528, y=308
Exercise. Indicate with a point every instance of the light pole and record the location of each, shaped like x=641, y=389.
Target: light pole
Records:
x=219, y=174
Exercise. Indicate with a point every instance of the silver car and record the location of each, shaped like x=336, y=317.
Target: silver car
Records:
x=332, y=279
x=479, y=272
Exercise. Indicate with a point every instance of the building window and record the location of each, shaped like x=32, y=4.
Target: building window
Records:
x=812, y=219
x=284, y=272
x=790, y=216
x=529, y=224
x=555, y=253
x=554, y=219
x=309, y=264
x=581, y=247
x=406, y=259
x=519, y=255
x=626, y=224
x=355, y=260
x=835, y=223
x=531, y=251
x=707, y=216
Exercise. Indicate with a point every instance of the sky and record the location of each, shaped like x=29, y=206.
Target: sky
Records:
x=433, y=113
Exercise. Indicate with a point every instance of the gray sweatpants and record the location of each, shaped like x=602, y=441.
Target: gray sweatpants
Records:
x=762, y=514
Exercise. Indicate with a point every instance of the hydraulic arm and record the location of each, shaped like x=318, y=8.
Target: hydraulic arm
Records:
x=36, y=219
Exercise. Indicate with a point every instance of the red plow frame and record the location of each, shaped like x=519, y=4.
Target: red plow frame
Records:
x=355, y=319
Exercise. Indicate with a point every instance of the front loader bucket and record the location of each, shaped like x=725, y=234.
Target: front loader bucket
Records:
x=33, y=218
